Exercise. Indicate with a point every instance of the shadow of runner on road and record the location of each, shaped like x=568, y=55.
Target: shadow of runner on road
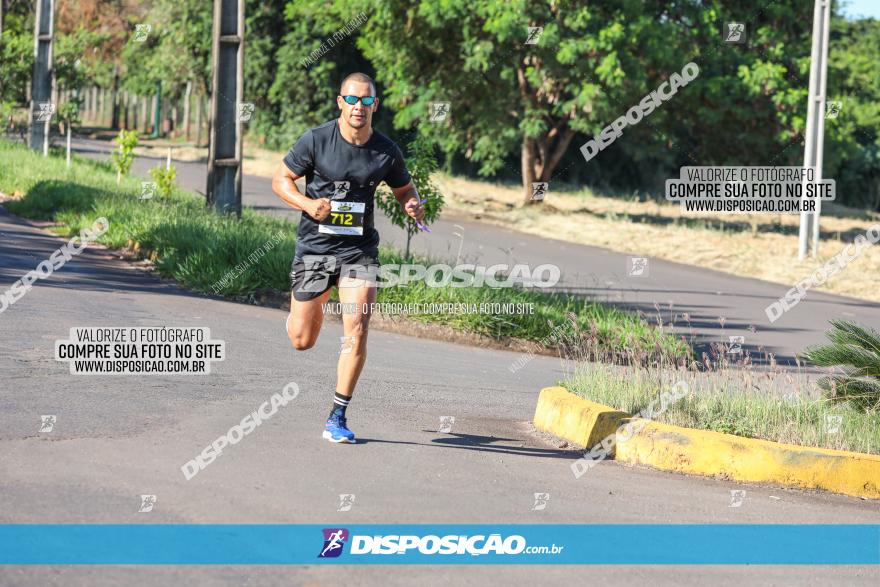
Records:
x=483, y=444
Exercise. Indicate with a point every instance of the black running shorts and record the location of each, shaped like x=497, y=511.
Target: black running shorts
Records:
x=313, y=275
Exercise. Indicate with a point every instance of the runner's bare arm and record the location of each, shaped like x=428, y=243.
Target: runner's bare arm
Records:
x=284, y=186
x=408, y=197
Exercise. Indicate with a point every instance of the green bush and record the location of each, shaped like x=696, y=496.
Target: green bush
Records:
x=856, y=352
x=165, y=179
x=123, y=157
x=420, y=164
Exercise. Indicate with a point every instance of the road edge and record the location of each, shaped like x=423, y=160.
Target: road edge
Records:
x=707, y=453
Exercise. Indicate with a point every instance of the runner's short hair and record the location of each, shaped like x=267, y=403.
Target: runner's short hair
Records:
x=358, y=77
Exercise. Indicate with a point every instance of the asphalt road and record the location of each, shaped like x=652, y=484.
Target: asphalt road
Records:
x=704, y=294
x=118, y=437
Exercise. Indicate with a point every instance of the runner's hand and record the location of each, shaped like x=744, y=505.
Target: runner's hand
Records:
x=414, y=210
x=320, y=209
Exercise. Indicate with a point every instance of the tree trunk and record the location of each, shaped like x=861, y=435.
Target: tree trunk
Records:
x=94, y=112
x=186, y=101
x=125, y=110
x=114, y=121
x=528, y=169
x=172, y=126
x=541, y=156
x=153, y=111
x=199, y=114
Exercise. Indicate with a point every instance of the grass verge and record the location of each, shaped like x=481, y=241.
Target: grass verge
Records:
x=778, y=406
x=202, y=251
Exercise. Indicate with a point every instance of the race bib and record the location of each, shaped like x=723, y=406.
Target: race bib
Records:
x=345, y=219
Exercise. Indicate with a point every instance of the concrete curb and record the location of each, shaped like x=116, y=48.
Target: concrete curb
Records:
x=702, y=452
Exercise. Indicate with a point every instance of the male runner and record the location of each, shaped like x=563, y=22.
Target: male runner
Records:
x=343, y=161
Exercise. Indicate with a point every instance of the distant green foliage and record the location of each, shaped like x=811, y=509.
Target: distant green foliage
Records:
x=16, y=62
x=856, y=352
x=165, y=179
x=517, y=110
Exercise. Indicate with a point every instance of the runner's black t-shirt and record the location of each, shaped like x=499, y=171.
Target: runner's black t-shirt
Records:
x=348, y=175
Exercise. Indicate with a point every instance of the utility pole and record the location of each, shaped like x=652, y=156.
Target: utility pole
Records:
x=813, y=147
x=41, y=81
x=227, y=90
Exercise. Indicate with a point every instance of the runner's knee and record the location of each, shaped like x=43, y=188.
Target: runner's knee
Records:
x=301, y=342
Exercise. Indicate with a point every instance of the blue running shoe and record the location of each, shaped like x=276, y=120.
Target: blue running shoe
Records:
x=335, y=430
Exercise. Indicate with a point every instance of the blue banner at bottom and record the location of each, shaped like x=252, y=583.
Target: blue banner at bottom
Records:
x=228, y=544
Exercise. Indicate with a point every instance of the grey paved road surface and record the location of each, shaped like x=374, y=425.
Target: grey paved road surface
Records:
x=117, y=437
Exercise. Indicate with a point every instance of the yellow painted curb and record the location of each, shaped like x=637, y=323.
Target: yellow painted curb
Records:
x=573, y=418
x=715, y=454
x=702, y=452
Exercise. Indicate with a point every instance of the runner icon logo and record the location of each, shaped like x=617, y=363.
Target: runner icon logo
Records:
x=832, y=109
x=48, y=423
x=245, y=111
x=735, y=347
x=638, y=267
x=334, y=540
x=534, y=35
x=438, y=111
x=346, y=500
x=147, y=503
x=539, y=190
x=735, y=32
x=341, y=189
x=446, y=423
x=541, y=500
x=736, y=497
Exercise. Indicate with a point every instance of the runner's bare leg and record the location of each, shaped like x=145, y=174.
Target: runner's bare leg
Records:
x=305, y=320
x=357, y=293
